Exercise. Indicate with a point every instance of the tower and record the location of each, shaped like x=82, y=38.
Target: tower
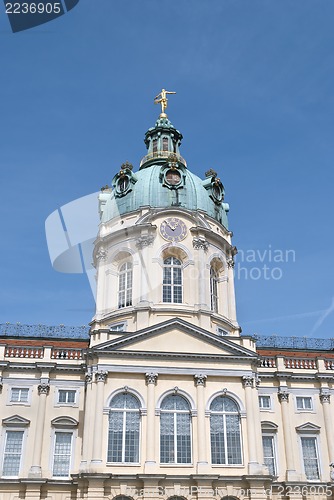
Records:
x=164, y=249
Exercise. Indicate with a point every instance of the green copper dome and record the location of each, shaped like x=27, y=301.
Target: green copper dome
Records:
x=163, y=181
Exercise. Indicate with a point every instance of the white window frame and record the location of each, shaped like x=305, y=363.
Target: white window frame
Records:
x=224, y=413
x=266, y=433
x=265, y=408
x=175, y=431
x=5, y=431
x=66, y=403
x=118, y=327
x=126, y=290
x=317, y=448
x=172, y=286
x=73, y=439
x=20, y=388
x=214, y=290
x=303, y=409
x=124, y=411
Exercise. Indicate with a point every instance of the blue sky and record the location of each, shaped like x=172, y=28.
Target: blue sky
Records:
x=254, y=83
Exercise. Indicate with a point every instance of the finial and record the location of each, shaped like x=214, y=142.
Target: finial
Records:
x=210, y=173
x=162, y=99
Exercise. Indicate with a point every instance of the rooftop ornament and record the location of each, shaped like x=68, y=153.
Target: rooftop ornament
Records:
x=162, y=99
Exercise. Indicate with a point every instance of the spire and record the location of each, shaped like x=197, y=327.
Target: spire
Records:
x=163, y=140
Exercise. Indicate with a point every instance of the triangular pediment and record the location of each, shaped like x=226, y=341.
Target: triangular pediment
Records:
x=176, y=337
x=15, y=421
x=308, y=427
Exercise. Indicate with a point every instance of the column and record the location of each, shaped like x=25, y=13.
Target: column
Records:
x=202, y=464
x=151, y=381
x=36, y=468
x=88, y=421
x=101, y=258
x=283, y=397
x=253, y=465
x=101, y=377
x=231, y=291
x=325, y=401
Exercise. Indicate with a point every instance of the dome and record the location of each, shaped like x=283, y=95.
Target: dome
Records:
x=163, y=181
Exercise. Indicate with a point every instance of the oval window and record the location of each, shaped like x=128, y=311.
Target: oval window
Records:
x=173, y=177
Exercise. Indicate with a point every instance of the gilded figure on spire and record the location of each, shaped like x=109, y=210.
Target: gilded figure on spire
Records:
x=162, y=99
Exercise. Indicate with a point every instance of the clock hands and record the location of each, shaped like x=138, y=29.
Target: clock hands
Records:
x=172, y=223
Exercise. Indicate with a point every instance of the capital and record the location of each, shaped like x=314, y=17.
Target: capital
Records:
x=283, y=396
x=230, y=263
x=88, y=378
x=151, y=378
x=102, y=254
x=200, y=379
x=200, y=242
x=101, y=376
x=248, y=380
x=324, y=396
x=43, y=389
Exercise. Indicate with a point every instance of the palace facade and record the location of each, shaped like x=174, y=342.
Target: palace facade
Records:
x=164, y=398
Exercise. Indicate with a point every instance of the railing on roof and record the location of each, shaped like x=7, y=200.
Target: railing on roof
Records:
x=61, y=331
x=294, y=342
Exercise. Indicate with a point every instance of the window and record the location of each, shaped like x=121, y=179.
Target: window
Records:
x=304, y=403
x=66, y=396
x=268, y=443
x=172, y=280
x=62, y=454
x=214, y=289
x=119, y=327
x=225, y=432
x=19, y=395
x=165, y=143
x=310, y=457
x=12, y=454
x=221, y=331
x=175, y=430
x=265, y=402
x=155, y=145
x=124, y=423
x=125, y=285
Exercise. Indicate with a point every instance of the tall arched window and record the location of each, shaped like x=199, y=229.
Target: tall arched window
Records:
x=214, y=289
x=225, y=431
x=124, y=422
x=175, y=431
x=172, y=280
x=125, y=285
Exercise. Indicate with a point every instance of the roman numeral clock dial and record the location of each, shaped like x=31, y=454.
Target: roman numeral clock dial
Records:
x=173, y=229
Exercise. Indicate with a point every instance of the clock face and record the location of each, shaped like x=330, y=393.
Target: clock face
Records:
x=173, y=229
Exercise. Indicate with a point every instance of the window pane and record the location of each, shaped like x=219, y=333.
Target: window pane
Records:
x=115, y=437
x=233, y=439
x=62, y=454
x=19, y=395
x=125, y=285
x=183, y=438
x=217, y=439
x=65, y=396
x=269, y=454
x=264, y=402
x=167, y=438
x=310, y=457
x=304, y=403
x=12, y=455
x=132, y=437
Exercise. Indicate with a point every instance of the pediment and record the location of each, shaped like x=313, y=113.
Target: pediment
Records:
x=15, y=421
x=176, y=337
x=64, y=422
x=308, y=427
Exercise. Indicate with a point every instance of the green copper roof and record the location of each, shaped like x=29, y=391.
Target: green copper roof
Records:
x=163, y=181
x=148, y=190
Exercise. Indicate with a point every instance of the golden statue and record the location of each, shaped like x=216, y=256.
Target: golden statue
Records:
x=162, y=99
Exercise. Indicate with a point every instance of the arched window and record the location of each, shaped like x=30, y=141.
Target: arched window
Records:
x=125, y=285
x=214, y=289
x=225, y=431
x=172, y=280
x=175, y=431
x=124, y=421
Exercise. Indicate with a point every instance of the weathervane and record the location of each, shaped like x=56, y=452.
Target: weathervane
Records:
x=162, y=99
